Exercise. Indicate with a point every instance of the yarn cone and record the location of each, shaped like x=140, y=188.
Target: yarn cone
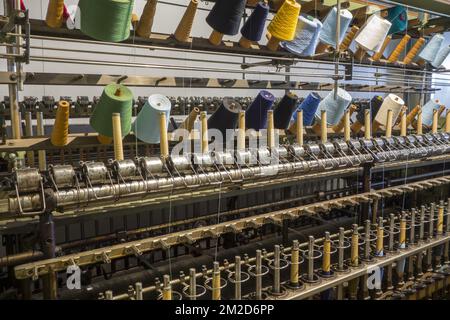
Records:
x=116, y=98
x=225, y=18
x=60, y=130
x=147, y=124
x=254, y=26
x=183, y=31
x=106, y=20
x=55, y=12
x=144, y=28
x=283, y=25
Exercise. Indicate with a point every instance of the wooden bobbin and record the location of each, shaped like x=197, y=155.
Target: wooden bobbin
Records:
x=245, y=43
x=367, y=129
x=144, y=27
x=349, y=38
x=340, y=125
x=412, y=53
x=441, y=110
x=163, y=141
x=347, y=126
x=322, y=47
x=434, y=127
x=323, y=127
x=273, y=43
x=389, y=119
x=42, y=159
x=204, y=133
x=117, y=137
x=215, y=38
x=419, y=123
x=189, y=122
x=29, y=134
x=241, y=131
x=399, y=49
x=412, y=115
x=55, y=13
x=403, y=127
x=183, y=31
x=360, y=53
x=357, y=126
x=400, y=115
x=447, y=122
x=375, y=126
x=270, y=130
x=299, y=127
x=377, y=56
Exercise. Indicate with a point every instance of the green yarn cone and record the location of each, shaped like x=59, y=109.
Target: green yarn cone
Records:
x=106, y=20
x=109, y=103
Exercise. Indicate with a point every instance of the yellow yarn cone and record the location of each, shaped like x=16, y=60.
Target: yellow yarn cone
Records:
x=60, y=130
x=414, y=51
x=144, y=28
x=55, y=13
x=283, y=25
x=399, y=49
x=183, y=31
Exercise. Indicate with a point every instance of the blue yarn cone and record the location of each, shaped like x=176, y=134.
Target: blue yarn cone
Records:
x=309, y=107
x=373, y=106
x=398, y=17
x=256, y=114
x=441, y=56
x=335, y=108
x=226, y=116
x=328, y=33
x=254, y=26
x=282, y=113
x=306, y=37
x=226, y=15
x=430, y=51
x=427, y=112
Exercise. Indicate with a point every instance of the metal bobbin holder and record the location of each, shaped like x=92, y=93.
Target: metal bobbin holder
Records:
x=237, y=277
x=391, y=230
x=258, y=270
x=310, y=255
x=342, y=244
x=277, y=264
x=165, y=290
x=215, y=283
x=370, y=237
x=192, y=290
x=328, y=248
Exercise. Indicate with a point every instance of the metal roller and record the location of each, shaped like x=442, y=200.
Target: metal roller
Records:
x=202, y=159
x=181, y=163
x=151, y=165
x=124, y=169
x=62, y=175
x=28, y=179
x=96, y=172
x=223, y=158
